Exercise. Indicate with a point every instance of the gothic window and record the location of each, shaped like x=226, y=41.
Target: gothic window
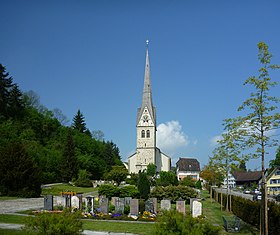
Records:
x=142, y=134
x=148, y=134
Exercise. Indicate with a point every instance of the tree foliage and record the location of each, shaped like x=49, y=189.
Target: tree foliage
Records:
x=45, y=142
x=167, y=178
x=117, y=174
x=143, y=185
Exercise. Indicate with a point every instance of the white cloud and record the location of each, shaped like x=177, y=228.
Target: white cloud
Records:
x=171, y=137
x=214, y=140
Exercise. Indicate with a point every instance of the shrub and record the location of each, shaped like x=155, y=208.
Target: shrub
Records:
x=83, y=179
x=52, y=224
x=187, y=181
x=108, y=190
x=173, y=193
x=129, y=191
x=174, y=223
x=143, y=185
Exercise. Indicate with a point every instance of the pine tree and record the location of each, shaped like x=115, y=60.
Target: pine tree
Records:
x=79, y=122
x=143, y=185
x=69, y=161
x=5, y=86
x=16, y=104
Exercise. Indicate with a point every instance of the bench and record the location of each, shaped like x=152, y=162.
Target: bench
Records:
x=233, y=226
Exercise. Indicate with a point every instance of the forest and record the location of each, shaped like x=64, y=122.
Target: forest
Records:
x=37, y=147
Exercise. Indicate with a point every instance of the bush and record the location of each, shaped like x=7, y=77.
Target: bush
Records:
x=173, y=193
x=174, y=223
x=52, y=224
x=83, y=179
x=129, y=191
x=112, y=191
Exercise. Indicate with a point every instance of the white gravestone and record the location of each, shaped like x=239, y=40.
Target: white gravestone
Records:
x=75, y=202
x=197, y=209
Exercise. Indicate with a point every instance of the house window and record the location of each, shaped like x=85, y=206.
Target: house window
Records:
x=142, y=134
x=148, y=134
x=277, y=173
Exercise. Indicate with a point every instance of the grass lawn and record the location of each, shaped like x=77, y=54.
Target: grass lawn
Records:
x=121, y=227
x=213, y=213
x=57, y=189
x=2, y=198
x=13, y=231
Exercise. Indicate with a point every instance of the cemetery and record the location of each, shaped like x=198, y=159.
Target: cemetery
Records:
x=127, y=208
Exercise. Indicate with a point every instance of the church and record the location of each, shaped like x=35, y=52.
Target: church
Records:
x=146, y=150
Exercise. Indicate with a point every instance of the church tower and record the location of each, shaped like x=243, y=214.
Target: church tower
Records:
x=146, y=150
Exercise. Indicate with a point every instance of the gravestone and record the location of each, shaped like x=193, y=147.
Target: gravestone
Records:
x=67, y=198
x=119, y=207
x=197, y=209
x=48, y=202
x=89, y=204
x=104, y=205
x=127, y=201
x=149, y=206
x=60, y=201
x=80, y=196
x=191, y=203
x=134, y=207
x=181, y=206
x=165, y=204
x=114, y=199
x=75, y=202
x=154, y=201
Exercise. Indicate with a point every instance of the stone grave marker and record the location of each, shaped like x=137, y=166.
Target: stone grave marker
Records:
x=60, y=201
x=67, y=198
x=89, y=204
x=191, y=203
x=134, y=207
x=165, y=204
x=197, y=209
x=114, y=199
x=75, y=202
x=80, y=196
x=154, y=201
x=181, y=206
x=104, y=205
x=119, y=207
x=149, y=206
x=127, y=201
x=48, y=202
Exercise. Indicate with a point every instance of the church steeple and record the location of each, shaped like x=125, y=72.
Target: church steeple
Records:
x=147, y=91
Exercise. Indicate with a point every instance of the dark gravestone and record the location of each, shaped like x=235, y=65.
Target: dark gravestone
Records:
x=149, y=206
x=48, y=202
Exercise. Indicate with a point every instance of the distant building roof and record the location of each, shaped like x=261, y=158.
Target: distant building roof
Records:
x=244, y=176
x=188, y=164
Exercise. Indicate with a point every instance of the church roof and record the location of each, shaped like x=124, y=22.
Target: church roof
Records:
x=147, y=93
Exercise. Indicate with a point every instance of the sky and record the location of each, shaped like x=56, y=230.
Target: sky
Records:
x=90, y=55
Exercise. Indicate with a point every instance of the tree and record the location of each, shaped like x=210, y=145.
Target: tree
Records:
x=57, y=113
x=151, y=169
x=118, y=174
x=242, y=166
x=275, y=162
x=79, y=122
x=83, y=179
x=256, y=127
x=15, y=102
x=143, y=185
x=69, y=161
x=212, y=174
x=19, y=175
x=6, y=83
x=167, y=178
x=188, y=181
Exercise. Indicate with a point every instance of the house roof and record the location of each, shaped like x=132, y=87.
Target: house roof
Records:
x=272, y=172
x=243, y=176
x=188, y=164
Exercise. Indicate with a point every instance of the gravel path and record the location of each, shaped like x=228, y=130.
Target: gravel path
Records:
x=22, y=204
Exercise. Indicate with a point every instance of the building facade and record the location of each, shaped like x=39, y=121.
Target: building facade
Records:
x=146, y=150
x=273, y=182
x=188, y=167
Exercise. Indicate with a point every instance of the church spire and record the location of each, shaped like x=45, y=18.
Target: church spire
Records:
x=147, y=90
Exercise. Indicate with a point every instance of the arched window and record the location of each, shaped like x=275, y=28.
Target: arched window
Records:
x=148, y=134
x=142, y=134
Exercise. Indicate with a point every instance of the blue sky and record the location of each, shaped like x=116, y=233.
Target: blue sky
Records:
x=90, y=55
